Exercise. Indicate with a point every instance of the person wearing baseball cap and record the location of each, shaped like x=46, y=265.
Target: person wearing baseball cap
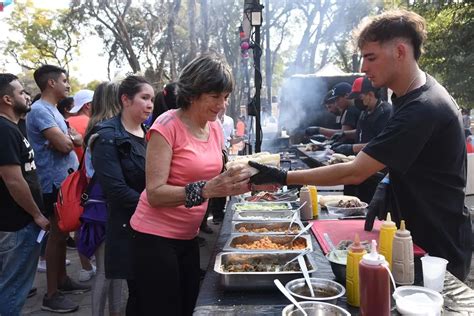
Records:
x=336, y=98
x=371, y=121
x=81, y=112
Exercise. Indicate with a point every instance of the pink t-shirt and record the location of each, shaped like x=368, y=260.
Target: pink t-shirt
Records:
x=193, y=160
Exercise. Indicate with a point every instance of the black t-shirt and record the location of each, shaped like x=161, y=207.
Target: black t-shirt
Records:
x=423, y=147
x=138, y=143
x=371, y=124
x=16, y=150
x=350, y=116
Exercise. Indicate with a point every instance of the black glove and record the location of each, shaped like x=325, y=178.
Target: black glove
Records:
x=345, y=149
x=267, y=174
x=319, y=138
x=312, y=130
x=337, y=136
x=378, y=206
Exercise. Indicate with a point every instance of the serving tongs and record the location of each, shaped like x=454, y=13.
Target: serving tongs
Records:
x=304, y=230
x=303, y=253
x=295, y=215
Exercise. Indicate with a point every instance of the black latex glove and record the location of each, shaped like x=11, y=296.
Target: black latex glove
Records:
x=345, y=149
x=312, y=130
x=267, y=174
x=378, y=206
x=319, y=138
x=337, y=136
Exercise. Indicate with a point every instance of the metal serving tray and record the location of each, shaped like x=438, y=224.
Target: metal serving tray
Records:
x=261, y=206
x=272, y=228
x=276, y=216
x=257, y=280
x=236, y=239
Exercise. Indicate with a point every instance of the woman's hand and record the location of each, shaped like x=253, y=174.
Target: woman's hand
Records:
x=231, y=182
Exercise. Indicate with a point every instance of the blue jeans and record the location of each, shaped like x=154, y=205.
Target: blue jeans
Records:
x=19, y=254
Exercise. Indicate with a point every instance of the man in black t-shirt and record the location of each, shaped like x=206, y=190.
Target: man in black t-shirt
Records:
x=422, y=144
x=371, y=121
x=336, y=102
x=20, y=201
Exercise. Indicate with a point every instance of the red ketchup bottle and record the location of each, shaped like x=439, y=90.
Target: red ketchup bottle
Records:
x=374, y=284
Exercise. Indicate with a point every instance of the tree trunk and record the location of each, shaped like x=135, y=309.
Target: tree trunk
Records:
x=204, y=26
x=192, y=29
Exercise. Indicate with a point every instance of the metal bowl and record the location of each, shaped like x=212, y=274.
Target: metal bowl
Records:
x=315, y=309
x=338, y=269
x=324, y=290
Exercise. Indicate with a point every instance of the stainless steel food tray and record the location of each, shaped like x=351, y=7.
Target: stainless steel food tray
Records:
x=280, y=216
x=235, y=239
x=261, y=206
x=271, y=226
x=257, y=280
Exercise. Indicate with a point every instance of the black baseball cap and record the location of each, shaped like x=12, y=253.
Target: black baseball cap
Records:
x=361, y=85
x=341, y=89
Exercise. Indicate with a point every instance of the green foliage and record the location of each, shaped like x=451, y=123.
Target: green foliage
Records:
x=92, y=85
x=449, y=50
x=46, y=36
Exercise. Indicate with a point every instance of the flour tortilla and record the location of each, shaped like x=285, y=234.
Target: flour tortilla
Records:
x=264, y=158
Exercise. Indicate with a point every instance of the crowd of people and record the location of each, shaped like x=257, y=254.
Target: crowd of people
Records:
x=150, y=188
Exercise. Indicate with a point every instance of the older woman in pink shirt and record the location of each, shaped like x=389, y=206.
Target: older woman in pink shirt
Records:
x=183, y=165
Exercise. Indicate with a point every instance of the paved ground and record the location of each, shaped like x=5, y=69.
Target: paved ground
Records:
x=33, y=305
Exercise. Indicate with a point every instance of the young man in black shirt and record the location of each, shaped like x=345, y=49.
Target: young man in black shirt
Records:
x=336, y=100
x=422, y=145
x=20, y=201
x=371, y=121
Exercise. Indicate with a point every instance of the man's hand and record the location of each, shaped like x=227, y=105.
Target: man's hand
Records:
x=42, y=222
x=378, y=206
x=337, y=136
x=345, y=149
x=267, y=174
x=75, y=137
x=312, y=130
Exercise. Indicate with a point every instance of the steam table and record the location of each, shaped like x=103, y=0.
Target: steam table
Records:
x=216, y=300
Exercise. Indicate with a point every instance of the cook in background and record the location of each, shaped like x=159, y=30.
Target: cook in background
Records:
x=427, y=184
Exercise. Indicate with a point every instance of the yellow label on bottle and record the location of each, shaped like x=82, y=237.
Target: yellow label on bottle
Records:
x=314, y=200
x=352, y=277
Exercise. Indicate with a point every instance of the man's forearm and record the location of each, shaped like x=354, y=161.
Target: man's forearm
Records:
x=343, y=173
x=21, y=193
x=328, y=132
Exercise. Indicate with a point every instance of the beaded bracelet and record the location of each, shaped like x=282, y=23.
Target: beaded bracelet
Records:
x=194, y=194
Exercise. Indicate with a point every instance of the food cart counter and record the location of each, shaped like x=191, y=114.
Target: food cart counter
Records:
x=213, y=299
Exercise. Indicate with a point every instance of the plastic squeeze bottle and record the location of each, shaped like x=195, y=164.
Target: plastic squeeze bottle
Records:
x=355, y=253
x=387, y=232
x=314, y=199
x=306, y=212
x=403, y=268
x=374, y=285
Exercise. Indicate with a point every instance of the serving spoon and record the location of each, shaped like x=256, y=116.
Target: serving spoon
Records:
x=304, y=230
x=295, y=215
x=304, y=269
x=288, y=296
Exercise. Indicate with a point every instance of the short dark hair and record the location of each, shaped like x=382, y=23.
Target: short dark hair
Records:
x=165, y=100
x=393, y=24
x=130, y=86
x=5, y=84
x=204, y=74
x=65, y=105
x=45, y=73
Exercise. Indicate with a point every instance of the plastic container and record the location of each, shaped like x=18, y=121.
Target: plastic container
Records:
x=313, y=191
x=434, y=269
x=333, y=209
x=306, y=212
x=417, y=300
x=374, y=284
x=355, y=253
x=403, y=267
x=387, y=233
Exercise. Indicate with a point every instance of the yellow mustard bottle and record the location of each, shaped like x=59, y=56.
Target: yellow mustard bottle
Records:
x=387, y=233
x=313, y=191
x=355, y=253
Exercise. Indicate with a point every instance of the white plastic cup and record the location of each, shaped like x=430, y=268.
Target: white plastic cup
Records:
x=434, y=269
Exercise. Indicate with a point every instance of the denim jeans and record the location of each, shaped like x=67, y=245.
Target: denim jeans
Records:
x=19, y=254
